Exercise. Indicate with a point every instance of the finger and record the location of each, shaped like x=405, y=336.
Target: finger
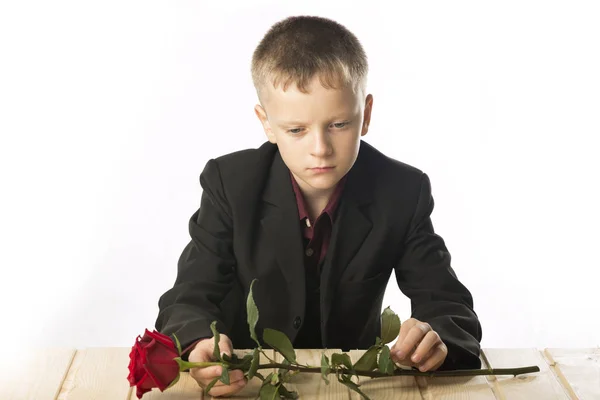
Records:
x=226, y=390
x=426, y=357
x=430, y=341
x=234, y=377
x=404, y=329
x=436, y=359
x=205, y=350
x=413, y=338
x=202, y=353
x=206, y=374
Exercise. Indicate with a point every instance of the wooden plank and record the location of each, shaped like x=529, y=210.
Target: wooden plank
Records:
x=396, y=387
x=185, y=388
x=311, y=385
x=456, y=388
x=34, y=375
x=539, y=385
x=578, y=370
x=97, y=374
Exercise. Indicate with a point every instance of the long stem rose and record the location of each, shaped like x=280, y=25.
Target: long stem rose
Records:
x=155, y=361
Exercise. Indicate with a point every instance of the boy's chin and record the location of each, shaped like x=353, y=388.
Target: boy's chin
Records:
x=322, y=182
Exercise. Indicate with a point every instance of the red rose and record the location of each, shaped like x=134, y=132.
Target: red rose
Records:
x=151, y=362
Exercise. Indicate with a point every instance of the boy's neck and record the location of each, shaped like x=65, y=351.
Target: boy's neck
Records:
x=315, y=209
x=316, y=201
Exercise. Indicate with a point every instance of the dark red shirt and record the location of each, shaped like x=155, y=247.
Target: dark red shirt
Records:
x=316, y=238
x=317, y=233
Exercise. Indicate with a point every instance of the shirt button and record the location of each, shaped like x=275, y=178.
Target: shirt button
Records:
x=309, y=252
x=297, y=322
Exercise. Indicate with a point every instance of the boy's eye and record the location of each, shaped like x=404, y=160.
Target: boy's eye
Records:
x=338, y=125
x=343, y=124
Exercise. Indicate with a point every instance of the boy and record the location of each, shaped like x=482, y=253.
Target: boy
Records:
x=320, y=218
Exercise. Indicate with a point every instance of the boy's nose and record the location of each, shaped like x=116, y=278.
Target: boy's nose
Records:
x=321, y=144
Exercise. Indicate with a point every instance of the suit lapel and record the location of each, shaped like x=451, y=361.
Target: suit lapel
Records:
x=282, y=223
x=350, y=229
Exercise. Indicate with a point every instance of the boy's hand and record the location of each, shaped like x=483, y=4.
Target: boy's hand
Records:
x=202, y=352
x=420, y=346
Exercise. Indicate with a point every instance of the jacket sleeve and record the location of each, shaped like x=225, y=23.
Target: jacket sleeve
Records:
x=205, y=270
x=437, y=296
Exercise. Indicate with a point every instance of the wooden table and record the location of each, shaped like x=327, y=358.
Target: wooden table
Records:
x=101, y=373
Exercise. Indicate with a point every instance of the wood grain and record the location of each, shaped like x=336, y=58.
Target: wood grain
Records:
x=101, y=373
x=186, y=388
x=97, y=374
x=397, y=387
x=34, y=375
x=578, y=370
x=539, y=385
x=456, y=388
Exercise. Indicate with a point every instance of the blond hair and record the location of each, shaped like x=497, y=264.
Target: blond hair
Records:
x=298, y=48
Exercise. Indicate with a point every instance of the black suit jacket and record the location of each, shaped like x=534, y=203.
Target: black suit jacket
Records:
x=247, y=227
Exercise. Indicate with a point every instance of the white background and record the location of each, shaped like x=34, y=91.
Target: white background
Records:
x=110, y=110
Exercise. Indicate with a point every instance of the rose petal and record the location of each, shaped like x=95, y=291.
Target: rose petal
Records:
x=140, y=392
x=164, y=339
x=162, y=377
x=137, y=358
x=160, y=364
x=147, y=382
x=157, y=353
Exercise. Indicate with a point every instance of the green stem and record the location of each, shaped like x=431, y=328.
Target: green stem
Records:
x=188, y=365
x=376, y=374
x=407, y=372
x=268, y=358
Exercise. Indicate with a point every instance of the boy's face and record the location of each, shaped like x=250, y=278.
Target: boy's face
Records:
x=318, y=134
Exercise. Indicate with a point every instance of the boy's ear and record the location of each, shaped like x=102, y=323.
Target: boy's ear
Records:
x=262, y=116
x=367, y=115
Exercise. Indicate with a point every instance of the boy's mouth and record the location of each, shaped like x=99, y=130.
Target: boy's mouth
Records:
x=321, y=169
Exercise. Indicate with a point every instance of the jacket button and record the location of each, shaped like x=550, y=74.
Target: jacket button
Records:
x=297, y=322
